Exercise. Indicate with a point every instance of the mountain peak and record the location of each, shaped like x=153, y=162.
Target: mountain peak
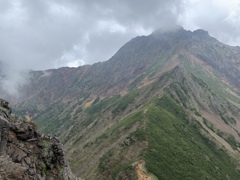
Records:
x=172, y=29
x=176, y=32
x=179, y=30
x=201, y=33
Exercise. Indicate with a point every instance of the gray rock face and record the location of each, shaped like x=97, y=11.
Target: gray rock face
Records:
x=26, y=154
x=24, y=131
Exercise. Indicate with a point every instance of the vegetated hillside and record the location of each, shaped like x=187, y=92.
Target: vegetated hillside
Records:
x=165, y=125
x=168, y=102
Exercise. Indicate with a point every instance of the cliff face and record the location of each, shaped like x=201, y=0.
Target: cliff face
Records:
x=26, y=154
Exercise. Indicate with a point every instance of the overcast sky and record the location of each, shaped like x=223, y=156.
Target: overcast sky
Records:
x=44, y=34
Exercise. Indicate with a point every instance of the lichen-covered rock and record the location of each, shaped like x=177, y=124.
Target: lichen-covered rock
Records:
x=26, y=154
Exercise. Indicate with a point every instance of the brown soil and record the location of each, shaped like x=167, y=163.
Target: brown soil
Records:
x=218, y=138
x=220, y=124
x=141, y=173
x=124, y=92
x=28, y=118
x=168, y=66
x=232, y=93
x=89, y=103
x=194, y=61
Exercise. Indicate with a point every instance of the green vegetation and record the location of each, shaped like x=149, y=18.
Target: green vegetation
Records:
x=154, y=177
x=197, y=113
x=170, y=105
x=108, y=163
x=181, y=92
x=123, y=103
x=96, y=100
x=134, y=84
x=103, y=165
x=140, y=134
x=232, y=141
x=96, y=108
x=227, y=119
x=200, y=81
x=115, y=161
x=2, y=109
x=177, y=149
x=124, y=124
x=207, y=79
x=90, y=119
x=209, y=125
x=43, y=169
x=162, y=58
x=77, y=140
x=226, y=136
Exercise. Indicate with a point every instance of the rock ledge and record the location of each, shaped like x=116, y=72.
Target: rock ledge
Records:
x=26, y=154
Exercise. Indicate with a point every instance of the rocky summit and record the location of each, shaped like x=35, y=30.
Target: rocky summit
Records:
x=26, y=154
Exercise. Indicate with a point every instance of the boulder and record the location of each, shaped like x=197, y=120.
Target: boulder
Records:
x=24, y=131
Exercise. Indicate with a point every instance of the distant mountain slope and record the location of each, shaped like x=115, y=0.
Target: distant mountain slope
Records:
x=146, y=54
x=127, y=129
x=166, y=101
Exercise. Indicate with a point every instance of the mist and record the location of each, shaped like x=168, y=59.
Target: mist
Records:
x=40, y=35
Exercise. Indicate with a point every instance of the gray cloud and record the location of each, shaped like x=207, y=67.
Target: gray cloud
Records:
x=220, y=17
x=39, y=34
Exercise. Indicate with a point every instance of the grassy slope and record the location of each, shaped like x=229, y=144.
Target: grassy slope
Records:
x=177, y=148
x=212, y=79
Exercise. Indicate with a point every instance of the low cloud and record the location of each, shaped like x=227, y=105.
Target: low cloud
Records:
x=41, y=35
x=219, y=17
x=10, y=79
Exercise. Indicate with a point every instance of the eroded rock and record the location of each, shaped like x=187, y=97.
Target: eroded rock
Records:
x=26, y=154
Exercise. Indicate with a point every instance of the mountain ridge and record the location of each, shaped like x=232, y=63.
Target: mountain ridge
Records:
x=123, y=67
x=189, y=81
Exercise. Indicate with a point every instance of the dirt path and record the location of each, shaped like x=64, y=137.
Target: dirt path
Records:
x=139, y=167
x=141, y=173
x=145, y=119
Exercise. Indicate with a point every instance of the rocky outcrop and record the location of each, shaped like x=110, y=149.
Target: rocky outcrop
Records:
x=26, y=154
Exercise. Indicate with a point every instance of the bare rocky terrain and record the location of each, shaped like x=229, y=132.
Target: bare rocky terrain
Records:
x=26, y=154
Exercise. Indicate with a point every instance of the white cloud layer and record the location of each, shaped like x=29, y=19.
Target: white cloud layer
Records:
x=38, y=34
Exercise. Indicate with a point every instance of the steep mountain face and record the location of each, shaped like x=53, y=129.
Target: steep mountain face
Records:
x=146, y=54
x=164, y=106
x=27, y=154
